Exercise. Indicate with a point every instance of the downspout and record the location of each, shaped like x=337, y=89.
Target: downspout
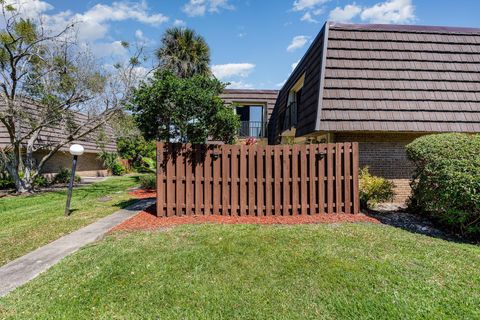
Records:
x=322, y=75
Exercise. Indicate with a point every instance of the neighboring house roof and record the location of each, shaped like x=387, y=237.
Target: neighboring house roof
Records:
x=54, y=135
x=245, y=96
x=391, y=78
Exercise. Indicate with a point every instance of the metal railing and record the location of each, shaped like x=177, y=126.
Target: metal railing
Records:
x=255, y=129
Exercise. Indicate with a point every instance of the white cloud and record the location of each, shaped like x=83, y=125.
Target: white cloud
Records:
x=299, y=5
x=391, y=11
x=94, y=23
x=179, y=23
x=229, y=70
x=239, y=85
x=345, y=14
x=295, y=64
x=112, y=49
x=195, y=8
x=308, y=17
x=297, y=43
x=311, y=9
x=30, y=8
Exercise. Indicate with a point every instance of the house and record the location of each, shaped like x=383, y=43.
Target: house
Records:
x=382, y=86
x=88, y=164
x=254, y=108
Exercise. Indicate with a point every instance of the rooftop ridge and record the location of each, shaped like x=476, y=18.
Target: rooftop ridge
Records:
x=404, y=28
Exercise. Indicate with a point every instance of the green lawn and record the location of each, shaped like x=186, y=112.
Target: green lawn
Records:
x=28, y=222
x=337, y=271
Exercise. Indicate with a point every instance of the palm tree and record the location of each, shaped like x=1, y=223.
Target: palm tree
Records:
x=184, y=52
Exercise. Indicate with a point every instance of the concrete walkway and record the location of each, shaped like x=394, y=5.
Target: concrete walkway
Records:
x=24, y=269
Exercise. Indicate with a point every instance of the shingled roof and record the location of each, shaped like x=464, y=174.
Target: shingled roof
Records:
x=401, y=78
x=396, y=78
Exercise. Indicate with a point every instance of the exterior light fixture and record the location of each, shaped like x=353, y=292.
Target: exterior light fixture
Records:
x=76, y=150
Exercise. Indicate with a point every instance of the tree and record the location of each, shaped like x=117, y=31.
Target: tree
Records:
x=46, y=79
x=184, y=53
x=170, y=108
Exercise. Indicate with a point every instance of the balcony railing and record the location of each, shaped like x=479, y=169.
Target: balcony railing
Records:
x=255, y=129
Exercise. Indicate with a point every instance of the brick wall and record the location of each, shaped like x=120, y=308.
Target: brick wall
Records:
x=87, y=166
x=385, y=155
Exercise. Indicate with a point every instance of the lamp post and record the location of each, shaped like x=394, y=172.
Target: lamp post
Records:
x=76, y=150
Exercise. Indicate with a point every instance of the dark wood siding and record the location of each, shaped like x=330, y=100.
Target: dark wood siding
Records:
x=265, y=97
x=310, y=65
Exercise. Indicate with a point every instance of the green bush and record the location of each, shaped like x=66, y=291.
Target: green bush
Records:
x=148, y=181
x=41, y=181
x=134, y=148
x=6, y=182
x=110, y=161
x=147, y=165
x=373, y=189
x=63, y=176
x=446, y=181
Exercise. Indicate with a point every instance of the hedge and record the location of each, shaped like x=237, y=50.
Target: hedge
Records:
x=446, y=181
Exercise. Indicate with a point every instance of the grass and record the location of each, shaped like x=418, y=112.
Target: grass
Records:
x=346, y=271
x=28, y=222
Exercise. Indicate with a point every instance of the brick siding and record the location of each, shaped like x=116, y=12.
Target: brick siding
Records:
x=384, y=154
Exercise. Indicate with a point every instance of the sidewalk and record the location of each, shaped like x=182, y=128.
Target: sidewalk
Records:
x=24, y=269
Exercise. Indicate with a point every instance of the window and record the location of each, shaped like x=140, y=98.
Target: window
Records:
x=293, y=105
x=251, y=120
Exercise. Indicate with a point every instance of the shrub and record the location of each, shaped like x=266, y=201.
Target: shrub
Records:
x=148, y=181
x=110, y=161
x=446, y=181
x=134, y=148
x=6, y=182
x=147, y=165
x=63, y=176
x=373, y=189
x=40, y=181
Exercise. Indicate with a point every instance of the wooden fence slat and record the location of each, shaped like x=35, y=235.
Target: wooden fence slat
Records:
x=160, y=181
x=198, y=180
x=234, y=181
x=313, y=177
x=277, y=179
x=225, y=185
x=268, y=181
x=207, y=182
x=286, y=180
x=170, y=191
x=330, y=186
x=216, y=195
x=243, y=180
x=257, y=180
x=356, y=199
x=321, y=179
x=303, y=179
x=251, y=180
x=179, y=177
x=347, y=179
x=338, y=177
x=295, y=184
x=260, y=180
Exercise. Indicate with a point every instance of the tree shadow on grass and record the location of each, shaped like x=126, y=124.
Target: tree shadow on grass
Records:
x=399, y=217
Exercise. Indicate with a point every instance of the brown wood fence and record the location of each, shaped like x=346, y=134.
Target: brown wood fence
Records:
x=257, y=180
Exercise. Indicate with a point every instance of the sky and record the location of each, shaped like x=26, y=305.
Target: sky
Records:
x=253, y=43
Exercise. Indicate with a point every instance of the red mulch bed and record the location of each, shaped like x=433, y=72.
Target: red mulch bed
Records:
x=146, y=220
x=143, y=194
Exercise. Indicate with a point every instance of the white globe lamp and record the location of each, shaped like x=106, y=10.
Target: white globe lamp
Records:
x=76, y=150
